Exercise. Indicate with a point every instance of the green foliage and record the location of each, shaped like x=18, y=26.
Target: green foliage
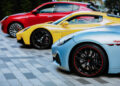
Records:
x=78, y=0
x=8, y=7
x=113, y=5
x=25, y=5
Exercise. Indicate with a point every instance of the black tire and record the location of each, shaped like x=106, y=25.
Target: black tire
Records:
x=41, y=39
x=13, y=28
x=88, y=60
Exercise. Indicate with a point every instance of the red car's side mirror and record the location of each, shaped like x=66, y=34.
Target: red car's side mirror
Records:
x=34, y=12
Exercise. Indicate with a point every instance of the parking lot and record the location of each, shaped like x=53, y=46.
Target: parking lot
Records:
x=26, y=66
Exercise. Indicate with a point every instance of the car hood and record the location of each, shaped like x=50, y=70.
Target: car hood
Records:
x=48, y=26
x=111, y=28
x=20, y=15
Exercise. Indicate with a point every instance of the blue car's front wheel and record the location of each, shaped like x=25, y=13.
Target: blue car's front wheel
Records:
x=89, y=60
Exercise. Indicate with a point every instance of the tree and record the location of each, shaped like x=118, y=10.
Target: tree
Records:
x=113, y=5
x=8, y=7
x=25, y=5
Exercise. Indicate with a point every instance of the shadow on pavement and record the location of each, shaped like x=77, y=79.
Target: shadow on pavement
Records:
x=64, y=71
x=26, y=46
x=112, y=75
x=103, y=75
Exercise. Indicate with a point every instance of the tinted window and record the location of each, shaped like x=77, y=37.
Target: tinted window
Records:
x=75, y=7
x=61, y=19
x=46, y=9
x=63, y=7
x=85, y=19
x=93, y=8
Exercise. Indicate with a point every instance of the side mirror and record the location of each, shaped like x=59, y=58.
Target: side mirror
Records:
x=65, y=23
x=49, y=22
x=34, y=12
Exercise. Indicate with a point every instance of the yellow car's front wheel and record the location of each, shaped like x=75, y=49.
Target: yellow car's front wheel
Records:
x=41, y=39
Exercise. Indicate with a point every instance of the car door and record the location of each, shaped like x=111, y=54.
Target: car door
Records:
x=80, y=23
x=63, y=9
x=44, y=14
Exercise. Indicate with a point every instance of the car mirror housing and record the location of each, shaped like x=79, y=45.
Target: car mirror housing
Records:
x=34, y=12
x=65, y=23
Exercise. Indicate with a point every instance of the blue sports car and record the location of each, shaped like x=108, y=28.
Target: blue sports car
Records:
x=90, y=53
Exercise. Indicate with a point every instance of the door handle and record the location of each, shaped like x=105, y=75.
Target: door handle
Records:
x=49, y=16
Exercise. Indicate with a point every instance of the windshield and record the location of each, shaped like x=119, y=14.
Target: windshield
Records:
x=61, y=19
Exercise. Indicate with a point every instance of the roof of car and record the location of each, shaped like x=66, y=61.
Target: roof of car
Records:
x=69, y=2
x=89, y=12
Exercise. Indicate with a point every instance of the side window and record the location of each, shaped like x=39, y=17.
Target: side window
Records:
x=75, y=7
x=46, y=9
x=85, y=19
x=63, y=7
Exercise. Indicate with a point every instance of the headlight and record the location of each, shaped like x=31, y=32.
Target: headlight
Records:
x=26, y=29
x=63, y=41
x=4, y=18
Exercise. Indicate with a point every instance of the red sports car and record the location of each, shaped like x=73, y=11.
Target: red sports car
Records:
x=50, y=11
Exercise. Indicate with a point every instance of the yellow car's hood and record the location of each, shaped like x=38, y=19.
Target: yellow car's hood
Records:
x=48, y=26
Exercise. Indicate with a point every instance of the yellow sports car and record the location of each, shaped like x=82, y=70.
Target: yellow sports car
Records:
x=42, y=36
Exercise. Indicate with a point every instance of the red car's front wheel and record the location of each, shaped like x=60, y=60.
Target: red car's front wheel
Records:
x=89, y=60
x=14, y=28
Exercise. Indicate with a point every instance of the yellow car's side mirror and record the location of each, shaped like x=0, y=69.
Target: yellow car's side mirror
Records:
x=65, y=23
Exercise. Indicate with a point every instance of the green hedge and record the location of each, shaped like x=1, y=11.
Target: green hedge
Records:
x=8, y=7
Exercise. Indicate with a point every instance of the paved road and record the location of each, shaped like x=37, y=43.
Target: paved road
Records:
x=25, y=66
